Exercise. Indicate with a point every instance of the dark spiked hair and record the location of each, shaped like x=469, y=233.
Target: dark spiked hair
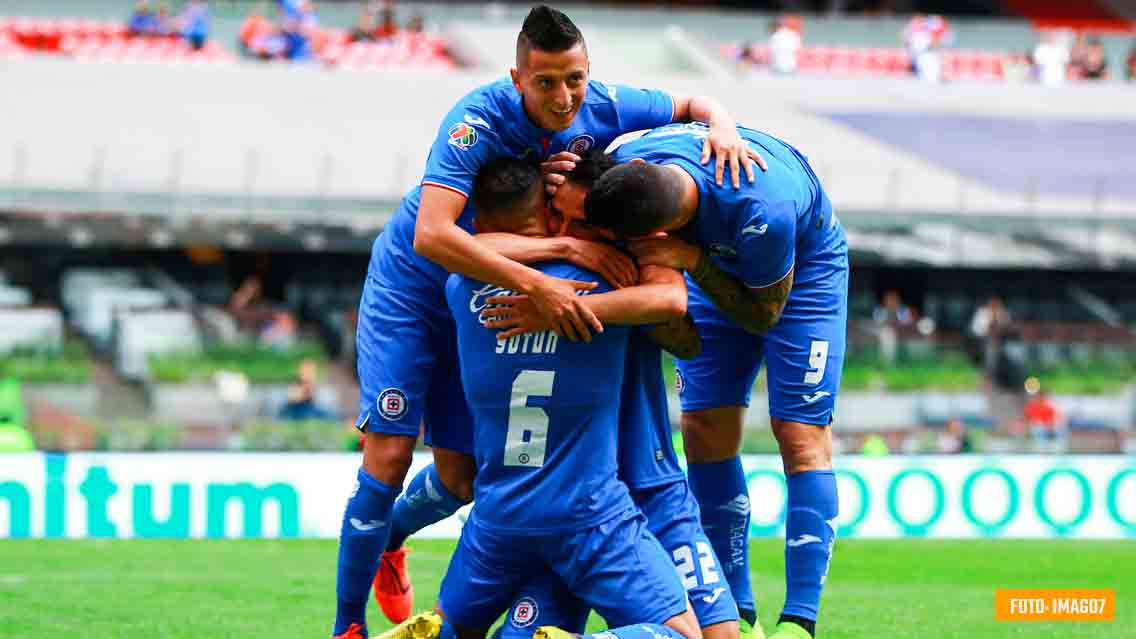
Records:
x=547, y=29
x=633, y=199
x=503, y=187
x=591, y=166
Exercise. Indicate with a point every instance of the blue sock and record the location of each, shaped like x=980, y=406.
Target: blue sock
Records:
x=720, y=488
x=425, y=502
x=809, y=535
x=638, y=631
x=362, y=536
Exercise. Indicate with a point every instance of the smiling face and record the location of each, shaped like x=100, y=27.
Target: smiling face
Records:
x=552, y=84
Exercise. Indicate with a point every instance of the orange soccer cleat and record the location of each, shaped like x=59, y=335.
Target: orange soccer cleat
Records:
x=354, y=631
x=392, y=586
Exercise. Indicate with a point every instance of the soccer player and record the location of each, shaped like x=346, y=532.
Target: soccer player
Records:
x=405, y=341
x=647, y=462
x=546, y=426
x=767, y=272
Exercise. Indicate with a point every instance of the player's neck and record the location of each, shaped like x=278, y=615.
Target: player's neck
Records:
x=689, y=204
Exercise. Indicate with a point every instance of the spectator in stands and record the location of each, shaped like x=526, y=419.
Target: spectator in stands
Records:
x=1043, y=418
x=924, y=37
x=1051, y=59
x=1130, y=64
x=784, y=44
x=388, y=27
x=364, y=29
x=193, y=23
x=891, y=315
x=274, y=327
x=301, y=403
x=259, y=37
x=1091, y=63
x=956, y=439
x=144, y=21
x=299, y=27
x=416, y=23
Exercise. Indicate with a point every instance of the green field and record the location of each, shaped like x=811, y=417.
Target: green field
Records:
x=922, y=589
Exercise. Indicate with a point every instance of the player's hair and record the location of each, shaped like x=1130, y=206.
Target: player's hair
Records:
x=591, y=166
x=547, y=29
x=503, y=187
x=634, y=199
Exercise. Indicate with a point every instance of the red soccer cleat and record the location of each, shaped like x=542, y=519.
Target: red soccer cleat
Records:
x=354, y=631
x=392, y=586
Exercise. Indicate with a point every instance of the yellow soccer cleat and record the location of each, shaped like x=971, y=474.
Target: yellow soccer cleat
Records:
x=424, y=625
x=552, y=632
x=746, y=631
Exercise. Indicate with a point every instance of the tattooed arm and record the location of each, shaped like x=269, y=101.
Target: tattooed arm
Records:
x=754, y=309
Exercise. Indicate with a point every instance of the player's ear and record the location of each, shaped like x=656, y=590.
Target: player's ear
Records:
x=516, y=77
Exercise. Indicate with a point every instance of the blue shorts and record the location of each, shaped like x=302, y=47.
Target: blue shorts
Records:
x=408, y=367
x=673, y=518
x=616, y=568
x=803, y=352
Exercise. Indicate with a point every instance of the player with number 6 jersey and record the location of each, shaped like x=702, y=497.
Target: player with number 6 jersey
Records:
x=547, y=495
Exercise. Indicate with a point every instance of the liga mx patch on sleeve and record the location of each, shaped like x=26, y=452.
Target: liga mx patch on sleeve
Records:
x=463, y=135
x=392, y=404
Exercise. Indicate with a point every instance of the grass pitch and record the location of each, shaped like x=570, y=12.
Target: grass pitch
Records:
x=923, y=589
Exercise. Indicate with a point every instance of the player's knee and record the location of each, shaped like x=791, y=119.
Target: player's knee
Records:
x=803, y=446
x=387, y=457
x=686, y=624
x=711, y=435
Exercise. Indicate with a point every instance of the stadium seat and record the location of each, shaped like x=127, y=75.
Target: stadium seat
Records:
x=38, y=328
x=140, y=334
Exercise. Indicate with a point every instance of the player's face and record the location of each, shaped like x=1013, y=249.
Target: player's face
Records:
x=566, y=213
x=552, y=85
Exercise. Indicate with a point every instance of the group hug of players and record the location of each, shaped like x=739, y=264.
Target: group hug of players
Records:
x=517, y=304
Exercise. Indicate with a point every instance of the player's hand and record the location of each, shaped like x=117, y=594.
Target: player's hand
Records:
x=663, y=250
x=556, y=301
x=613, y=264
x=554, y=169
x=728, y=147
x=512, y=315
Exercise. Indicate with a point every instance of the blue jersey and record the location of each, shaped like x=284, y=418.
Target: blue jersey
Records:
x=546, y=418
x=646, y=453
x=757, y=232
x=490, y=123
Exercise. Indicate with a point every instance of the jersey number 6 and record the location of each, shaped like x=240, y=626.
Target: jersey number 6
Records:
x=527, y=436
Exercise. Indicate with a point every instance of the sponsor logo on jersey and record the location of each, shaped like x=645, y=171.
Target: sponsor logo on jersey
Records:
x=817, y=396
x=358, y=524
x=392, y=403
x=711, y=598
x=755, y=229
x=580, y=144
x=524, y=612
x=463, y=135
x=803, y=540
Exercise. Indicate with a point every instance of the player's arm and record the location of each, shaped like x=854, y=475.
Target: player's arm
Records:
x=755, y=309
x=723, y=142
x=611, y=263
x=678, y=336
x=438, y=238
x=660, y=298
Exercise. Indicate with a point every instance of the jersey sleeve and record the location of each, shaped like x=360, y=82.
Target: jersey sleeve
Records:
x=641, y=108
x=459, y=150
x=767, y=243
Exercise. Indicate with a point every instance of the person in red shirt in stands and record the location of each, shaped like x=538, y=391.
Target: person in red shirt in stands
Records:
x=1043, y=417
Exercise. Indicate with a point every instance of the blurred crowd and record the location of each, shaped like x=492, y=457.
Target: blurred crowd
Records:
x=154, y=21
x=1060, y=56
x=295, y=33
